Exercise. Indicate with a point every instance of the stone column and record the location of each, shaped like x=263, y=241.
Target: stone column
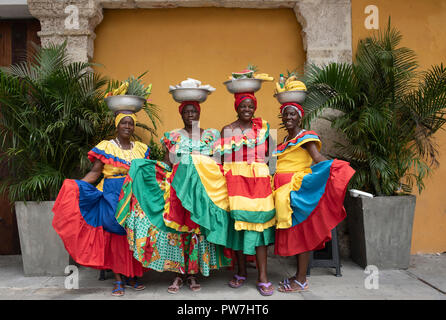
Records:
x=326, y=30
x=70, y=21
x=327, y=37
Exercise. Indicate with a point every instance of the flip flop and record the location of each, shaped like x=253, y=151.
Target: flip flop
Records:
x=287, y=280
x=286, y=287
x=193, y=283
x=237, y=279
x=119, y=291
x=262, y=291
x=175, y=286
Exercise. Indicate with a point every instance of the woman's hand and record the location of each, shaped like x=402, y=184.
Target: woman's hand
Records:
x=95, y=172
x=311, y=147
x=167, y=157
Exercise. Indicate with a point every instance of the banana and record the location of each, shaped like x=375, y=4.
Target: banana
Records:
x=263, y=76
x=294, y=82
x=290, y=79
x=122, y=88
x=295, y=85
x=296, y=89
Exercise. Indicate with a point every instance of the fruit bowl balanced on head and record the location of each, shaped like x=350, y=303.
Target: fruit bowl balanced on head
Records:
x=190, y=90
x=290, y=90
x=128, y=96
x=246, y=80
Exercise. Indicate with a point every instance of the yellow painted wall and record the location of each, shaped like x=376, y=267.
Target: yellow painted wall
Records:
x=209, y=43
x=202, y=43
x=423, y=26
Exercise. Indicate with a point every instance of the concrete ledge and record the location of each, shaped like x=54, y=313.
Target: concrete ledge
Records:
x=43, y=252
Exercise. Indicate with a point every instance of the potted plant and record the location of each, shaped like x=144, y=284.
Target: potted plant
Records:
x=388, y=116
x=52, y=112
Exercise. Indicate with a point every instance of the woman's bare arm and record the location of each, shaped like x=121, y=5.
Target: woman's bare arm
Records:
x=313, y=151
x=93, y=175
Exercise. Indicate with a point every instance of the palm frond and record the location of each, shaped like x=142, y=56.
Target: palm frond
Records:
x=52, y=113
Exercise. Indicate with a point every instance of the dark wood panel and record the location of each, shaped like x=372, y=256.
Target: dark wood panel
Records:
x=18, y=41
x=32, y=37
x=5, y=44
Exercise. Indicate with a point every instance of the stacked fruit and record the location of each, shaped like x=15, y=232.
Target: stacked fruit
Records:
x=291, y=84
x=249, y=73
x=121, y=90
x=131, y=86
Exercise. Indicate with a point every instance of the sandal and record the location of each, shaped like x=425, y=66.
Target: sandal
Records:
x=193, y=283
x=267, y=285
x=237, y=282
x=286, y=287
x=136, y=285
x=176, y=285
x=119, y=291
x=287, y=280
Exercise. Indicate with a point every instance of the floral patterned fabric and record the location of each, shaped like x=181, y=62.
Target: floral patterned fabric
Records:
x=141, y=211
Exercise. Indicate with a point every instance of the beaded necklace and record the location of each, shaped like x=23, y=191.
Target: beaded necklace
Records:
x=128, y=153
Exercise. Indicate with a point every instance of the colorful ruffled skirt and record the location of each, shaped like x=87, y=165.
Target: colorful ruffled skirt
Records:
x=309, y=205
x=233, y=206
x=84, y=218
x=147, y=206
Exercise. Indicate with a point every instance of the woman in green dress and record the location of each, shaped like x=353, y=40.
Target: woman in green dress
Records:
x=160, y=230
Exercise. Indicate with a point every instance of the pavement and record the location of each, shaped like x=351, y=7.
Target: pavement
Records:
x=425, y=279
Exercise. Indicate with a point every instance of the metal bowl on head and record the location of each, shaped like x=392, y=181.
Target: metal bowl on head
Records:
x=125, y=103
x=243, y=85
x=190, y=94
x=297, y=96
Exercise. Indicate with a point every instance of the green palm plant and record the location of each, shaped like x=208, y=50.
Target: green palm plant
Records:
x=389, y=112
x=51, y=114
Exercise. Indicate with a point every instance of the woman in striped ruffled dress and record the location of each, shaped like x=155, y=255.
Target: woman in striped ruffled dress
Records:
x=243, y=147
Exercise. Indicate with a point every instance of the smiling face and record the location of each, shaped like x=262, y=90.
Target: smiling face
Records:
x=291, y=118
x=245, y=110
x=126, y=127
x=190, y=114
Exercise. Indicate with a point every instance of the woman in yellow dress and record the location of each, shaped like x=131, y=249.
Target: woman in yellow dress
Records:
x=308, y=198
x=84, y=215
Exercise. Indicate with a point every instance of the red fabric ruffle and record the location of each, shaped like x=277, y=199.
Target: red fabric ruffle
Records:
x=87, y=245
x=119, y=257
x=312, y=233
x=177, y=213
